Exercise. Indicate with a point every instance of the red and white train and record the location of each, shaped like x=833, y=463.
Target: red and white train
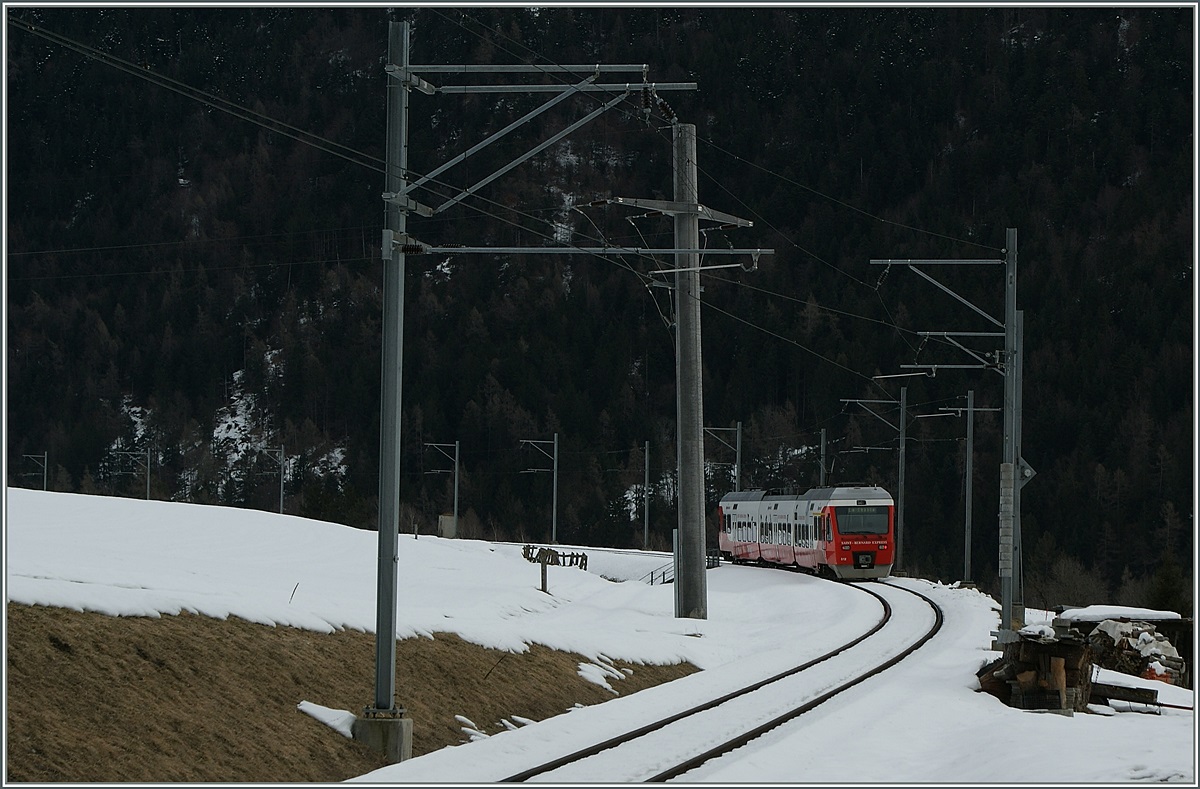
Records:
x=842, y=532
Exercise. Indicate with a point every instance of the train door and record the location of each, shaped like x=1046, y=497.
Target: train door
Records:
x=759, y=526
x=770, y=541
x=806, y=550
x=791, y=526
x=764, y=535
x=725, y=535
x=826, y=548
x=748, y=536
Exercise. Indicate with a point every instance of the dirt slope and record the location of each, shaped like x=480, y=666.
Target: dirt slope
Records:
x=93, y=698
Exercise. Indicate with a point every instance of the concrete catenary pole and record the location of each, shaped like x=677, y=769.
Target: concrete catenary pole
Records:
x=456, y=533
x=822, y=457
x=646, y=500
x=554, y=496
x=737, y=480
x=1009, y=503
x=690, y=581
x=970, y=477
x=902, y=422
x=282, y=458
x=396, y=221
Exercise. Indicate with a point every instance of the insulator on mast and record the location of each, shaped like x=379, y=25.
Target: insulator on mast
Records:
x=665, y=109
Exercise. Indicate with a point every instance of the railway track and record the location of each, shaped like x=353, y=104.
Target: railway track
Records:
x=670, y=747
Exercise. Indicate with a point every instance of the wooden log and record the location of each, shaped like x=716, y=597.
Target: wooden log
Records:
x=1103, y=691
x=1058, y=680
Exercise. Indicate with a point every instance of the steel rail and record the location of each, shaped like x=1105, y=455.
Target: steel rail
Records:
x=649, y=728
x=758, y=731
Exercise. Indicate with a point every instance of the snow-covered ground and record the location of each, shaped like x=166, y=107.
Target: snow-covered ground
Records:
x=923, y=722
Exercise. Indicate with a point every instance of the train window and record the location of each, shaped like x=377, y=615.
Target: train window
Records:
x=863, y=520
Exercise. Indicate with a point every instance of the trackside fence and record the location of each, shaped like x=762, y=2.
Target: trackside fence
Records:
x=666, y=573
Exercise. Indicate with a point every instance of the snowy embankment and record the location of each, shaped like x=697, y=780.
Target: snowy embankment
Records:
x=923, y=721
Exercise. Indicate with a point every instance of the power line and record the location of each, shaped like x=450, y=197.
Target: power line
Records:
x=805, y=302
x=531, y=52
x=786, y=339
x=844, y=204
x=149, y=272
x=267, y=122
x=810, y=253
x=321, y=143
x=809, y=303
x=209, y=99
x=187, y=242
x=712, y=306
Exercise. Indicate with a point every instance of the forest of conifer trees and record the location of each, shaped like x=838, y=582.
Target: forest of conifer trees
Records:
x=204, y=286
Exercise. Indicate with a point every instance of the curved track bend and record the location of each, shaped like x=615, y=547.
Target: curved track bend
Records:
x=669, y=747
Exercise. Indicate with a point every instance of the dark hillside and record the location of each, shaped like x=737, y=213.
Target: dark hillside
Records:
x=187, y=283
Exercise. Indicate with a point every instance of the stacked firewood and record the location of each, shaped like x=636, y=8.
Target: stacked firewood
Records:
x=1045, y=669
x=1136, y=648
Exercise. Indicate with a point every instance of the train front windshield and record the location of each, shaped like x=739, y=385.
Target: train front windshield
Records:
x=862, y=520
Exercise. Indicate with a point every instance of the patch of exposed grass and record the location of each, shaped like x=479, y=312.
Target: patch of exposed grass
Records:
x=96, y=698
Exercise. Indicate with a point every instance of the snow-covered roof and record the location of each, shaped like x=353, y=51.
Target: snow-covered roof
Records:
x=1098, y=613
